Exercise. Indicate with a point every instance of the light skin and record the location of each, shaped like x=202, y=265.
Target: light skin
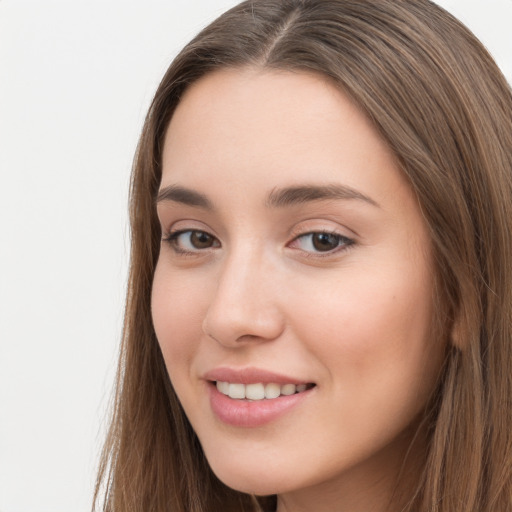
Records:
x=329, y=281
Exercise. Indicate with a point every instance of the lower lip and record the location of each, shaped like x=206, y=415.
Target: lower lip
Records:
x=244, y=413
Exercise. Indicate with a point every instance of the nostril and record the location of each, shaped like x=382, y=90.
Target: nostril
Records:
x=247, y=337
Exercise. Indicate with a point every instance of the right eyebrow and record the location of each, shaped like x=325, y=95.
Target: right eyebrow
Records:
x=301, y=194
x=183, y=195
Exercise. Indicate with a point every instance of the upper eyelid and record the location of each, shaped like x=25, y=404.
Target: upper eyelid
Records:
x=312, y=226
x=169, y=227
x=320, y=231
x=293, y=235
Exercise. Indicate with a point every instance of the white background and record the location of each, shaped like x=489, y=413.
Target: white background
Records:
x=76, y=78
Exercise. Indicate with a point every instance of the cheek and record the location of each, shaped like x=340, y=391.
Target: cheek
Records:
x=177, y=312
x=373, y=329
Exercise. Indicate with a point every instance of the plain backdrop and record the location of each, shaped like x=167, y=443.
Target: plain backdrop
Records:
x=76, y=78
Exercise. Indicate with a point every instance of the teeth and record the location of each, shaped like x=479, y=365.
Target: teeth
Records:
x=254, y=391
x=272, y=390
x=236, y=391
x=258, y=391
x=223, y=387
x=288, y=389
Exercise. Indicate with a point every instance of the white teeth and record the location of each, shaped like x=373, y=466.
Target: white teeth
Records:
x=236, y=391
x=258, y=391
x=272, y=390
x=288, y=389
x=223, y=387
x=254, y=391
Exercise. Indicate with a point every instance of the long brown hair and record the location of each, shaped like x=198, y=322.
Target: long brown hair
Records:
x=439, y=100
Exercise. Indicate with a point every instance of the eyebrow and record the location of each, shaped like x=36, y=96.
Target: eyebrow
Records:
x=289, y=196
x=184, y=196
x=278, y=198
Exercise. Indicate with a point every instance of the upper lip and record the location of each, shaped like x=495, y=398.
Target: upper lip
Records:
x=250, y=376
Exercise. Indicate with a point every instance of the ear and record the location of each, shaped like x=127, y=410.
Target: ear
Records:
x=456, y=334
x=465, y=324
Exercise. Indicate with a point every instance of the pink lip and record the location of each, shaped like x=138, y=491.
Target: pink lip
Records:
x=246, y=413
x=249, y=376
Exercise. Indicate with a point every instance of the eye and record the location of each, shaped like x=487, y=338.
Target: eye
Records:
x=321, y=242
x=191, y=241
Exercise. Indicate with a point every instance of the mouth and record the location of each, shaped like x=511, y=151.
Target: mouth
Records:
x=259, y=390
x=252, y=397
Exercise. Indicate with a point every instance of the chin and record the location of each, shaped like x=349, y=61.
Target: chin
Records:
x=260, y=481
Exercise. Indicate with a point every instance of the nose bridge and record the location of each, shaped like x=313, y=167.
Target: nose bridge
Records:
x=245, y=304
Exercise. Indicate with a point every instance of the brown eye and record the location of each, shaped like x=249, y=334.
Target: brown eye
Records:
x=321, y=242
x=201, y=240
x=324, y=242
x=192, y=240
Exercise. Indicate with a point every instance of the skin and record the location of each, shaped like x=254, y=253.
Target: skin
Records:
x=355, y=320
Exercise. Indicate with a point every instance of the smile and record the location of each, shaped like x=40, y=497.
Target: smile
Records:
x=246, y=405
x=259, y=391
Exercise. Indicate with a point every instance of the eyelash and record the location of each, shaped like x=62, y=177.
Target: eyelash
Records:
x=343, y=243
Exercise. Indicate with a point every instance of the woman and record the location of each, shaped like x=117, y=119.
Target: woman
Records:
x=319, y=309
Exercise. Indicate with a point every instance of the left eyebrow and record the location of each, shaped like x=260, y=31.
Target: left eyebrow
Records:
x=184, y=196
x=301, y=194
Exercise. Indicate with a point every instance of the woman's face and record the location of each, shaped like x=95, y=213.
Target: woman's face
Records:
x=294, y=259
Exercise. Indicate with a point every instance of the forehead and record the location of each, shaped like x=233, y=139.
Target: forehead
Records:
x=272, y=127
x=251, y=97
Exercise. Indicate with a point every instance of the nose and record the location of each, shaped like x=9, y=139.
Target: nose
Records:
x=245, y=306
